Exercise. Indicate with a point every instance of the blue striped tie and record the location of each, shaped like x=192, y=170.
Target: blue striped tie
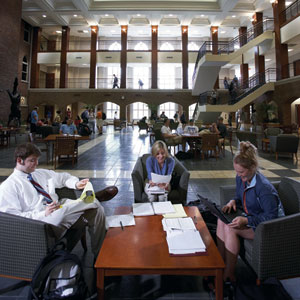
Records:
x=47, y=197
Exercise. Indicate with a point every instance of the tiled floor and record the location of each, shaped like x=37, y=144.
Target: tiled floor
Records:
x=109, y=160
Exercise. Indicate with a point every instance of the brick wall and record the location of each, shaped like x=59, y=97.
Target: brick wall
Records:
x=10, y=26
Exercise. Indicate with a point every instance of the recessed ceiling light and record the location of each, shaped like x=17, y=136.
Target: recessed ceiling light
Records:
x=85, y=31
x=58, y=31
x=44, y=16
x=290, y=50
x=223, y=31
x=233, y=16
x=75, y=16
x=106, y=15
x=170, y=15
x=287, y=3
x=138, y=15
x=202, y=16
x=268, y=59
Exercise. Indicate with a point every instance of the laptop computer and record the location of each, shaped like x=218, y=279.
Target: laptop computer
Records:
x=216, y=211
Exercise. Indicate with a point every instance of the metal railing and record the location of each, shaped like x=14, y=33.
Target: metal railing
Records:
x=290, y=12
x=241, y=89
x=226, y=47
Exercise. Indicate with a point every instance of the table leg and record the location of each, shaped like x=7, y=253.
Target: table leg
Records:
x=219, y=284
x=100, y=284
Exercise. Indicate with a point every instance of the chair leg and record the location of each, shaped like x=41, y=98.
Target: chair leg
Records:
x=276, y=155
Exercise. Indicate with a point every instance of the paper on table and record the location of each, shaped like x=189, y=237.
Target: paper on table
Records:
x=163, y=207
x=156, y=178
x=185, y=242
x=143, y=209
x=179, y=212
x=178, y=223
x=155, y=189
x=116, y=220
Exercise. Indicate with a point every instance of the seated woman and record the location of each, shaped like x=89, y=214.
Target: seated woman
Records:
x=260, y=202
x=160, y=163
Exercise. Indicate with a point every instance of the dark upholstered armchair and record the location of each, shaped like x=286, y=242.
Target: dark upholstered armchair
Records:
x=139, y=175
x=24, y=242
x=287, y=143
x=143, y=126
x=274, y=252
x=247, y=136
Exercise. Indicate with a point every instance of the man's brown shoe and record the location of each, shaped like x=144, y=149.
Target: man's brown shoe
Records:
x=107, y=194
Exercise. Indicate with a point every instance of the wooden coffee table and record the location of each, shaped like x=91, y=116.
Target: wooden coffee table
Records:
x=142, y=249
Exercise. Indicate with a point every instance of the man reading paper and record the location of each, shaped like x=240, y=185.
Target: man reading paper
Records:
x=30, y=193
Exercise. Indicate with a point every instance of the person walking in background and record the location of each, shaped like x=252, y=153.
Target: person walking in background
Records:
x=116, y=115
x=141, y=83
x=33, y=122
x=92, y=120
x=99, y=120
x=115, y=82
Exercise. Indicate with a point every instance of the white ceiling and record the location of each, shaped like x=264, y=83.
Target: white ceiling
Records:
x=139, y=15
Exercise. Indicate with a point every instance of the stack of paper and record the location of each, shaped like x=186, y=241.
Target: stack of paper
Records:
x=152, y=208
x=185, y=242
x=179, y=212
x=120, y=220
x=178, y=224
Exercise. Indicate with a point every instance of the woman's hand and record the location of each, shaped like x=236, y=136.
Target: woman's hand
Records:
x=229, y=206
x=239, y=223
x=82, y=183
x=164, y=186
x=151, y=183
x=50, y=208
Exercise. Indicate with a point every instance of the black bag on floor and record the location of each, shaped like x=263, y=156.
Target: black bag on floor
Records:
x=270, y=289
x=209, y=219
x=59, y=276
x=84, y=129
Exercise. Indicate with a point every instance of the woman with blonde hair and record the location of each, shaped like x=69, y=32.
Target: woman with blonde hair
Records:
x=160, y=163
x=259, y=200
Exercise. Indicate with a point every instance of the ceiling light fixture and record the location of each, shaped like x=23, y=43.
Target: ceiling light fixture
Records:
x=85, y=31
x=290, y=50
x=233, y=16
x=138, y=15
x=223, y=31
x=58, y=31
x=268, y=59
x=288, y=3
x=170, y=15
x=75, y=16
x=44, y=16
x=106, y=15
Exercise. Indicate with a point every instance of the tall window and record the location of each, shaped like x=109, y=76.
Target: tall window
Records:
x=141, y=46
x=169, y=108
x=166, y=76
x=24, y=69
x=26, y=32
x=141, y=73
x=115, y=47
x=140, y=110
x=110, y=78
x=111, y=108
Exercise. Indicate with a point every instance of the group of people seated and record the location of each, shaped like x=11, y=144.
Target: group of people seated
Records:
x=30, y=192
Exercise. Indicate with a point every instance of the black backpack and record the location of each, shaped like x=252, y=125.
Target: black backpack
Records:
x=84, y=129
x=58, y=276
x=103, y=116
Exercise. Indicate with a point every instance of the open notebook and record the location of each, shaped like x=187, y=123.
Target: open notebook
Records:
x=152, y=208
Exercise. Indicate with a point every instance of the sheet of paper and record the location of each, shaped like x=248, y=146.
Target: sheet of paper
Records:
x=142, y=209
x=178, y=224
x=164, y=207
x=185, y=242
x=156, y=178
x=88, y=194
x=155, y=189
x=116, y=220
x=179, y=212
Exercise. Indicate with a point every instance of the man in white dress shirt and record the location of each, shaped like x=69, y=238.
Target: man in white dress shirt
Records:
x=170, y=137
x=19, y=196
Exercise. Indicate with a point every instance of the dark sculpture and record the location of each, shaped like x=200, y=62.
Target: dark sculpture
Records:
x=15, y=113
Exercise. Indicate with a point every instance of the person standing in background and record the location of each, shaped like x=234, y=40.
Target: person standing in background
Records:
x=92, y=120
x=33, y=122
x=99, y=120
x=115, y=82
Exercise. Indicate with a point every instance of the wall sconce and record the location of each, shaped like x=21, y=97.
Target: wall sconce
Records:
x=184, y=30
x=215, y=30
x=153, y=29
x=124, y=29
x=94, y=30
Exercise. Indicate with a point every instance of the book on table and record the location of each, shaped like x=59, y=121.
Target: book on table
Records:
x=178, y=224
x=152, y=208
x=120, y=220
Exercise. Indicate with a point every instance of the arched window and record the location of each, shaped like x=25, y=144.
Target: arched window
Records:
x=111, y=108
x=167, y=46
x=115, y=47
x=169, y=108
x=24, y=69
x=140, y=110
x=141, y=46
x=193, y=46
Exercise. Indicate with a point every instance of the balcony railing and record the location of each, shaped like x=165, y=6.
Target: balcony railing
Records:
x=290, y=12
x=241, y=89
x=226, y=47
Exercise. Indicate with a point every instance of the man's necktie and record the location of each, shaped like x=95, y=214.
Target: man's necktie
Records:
x=47, y=197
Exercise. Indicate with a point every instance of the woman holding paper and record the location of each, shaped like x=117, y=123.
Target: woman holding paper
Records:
x=159, y=163
x=260, y=202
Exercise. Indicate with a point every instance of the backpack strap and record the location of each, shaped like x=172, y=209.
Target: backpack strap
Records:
x=14, y=286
